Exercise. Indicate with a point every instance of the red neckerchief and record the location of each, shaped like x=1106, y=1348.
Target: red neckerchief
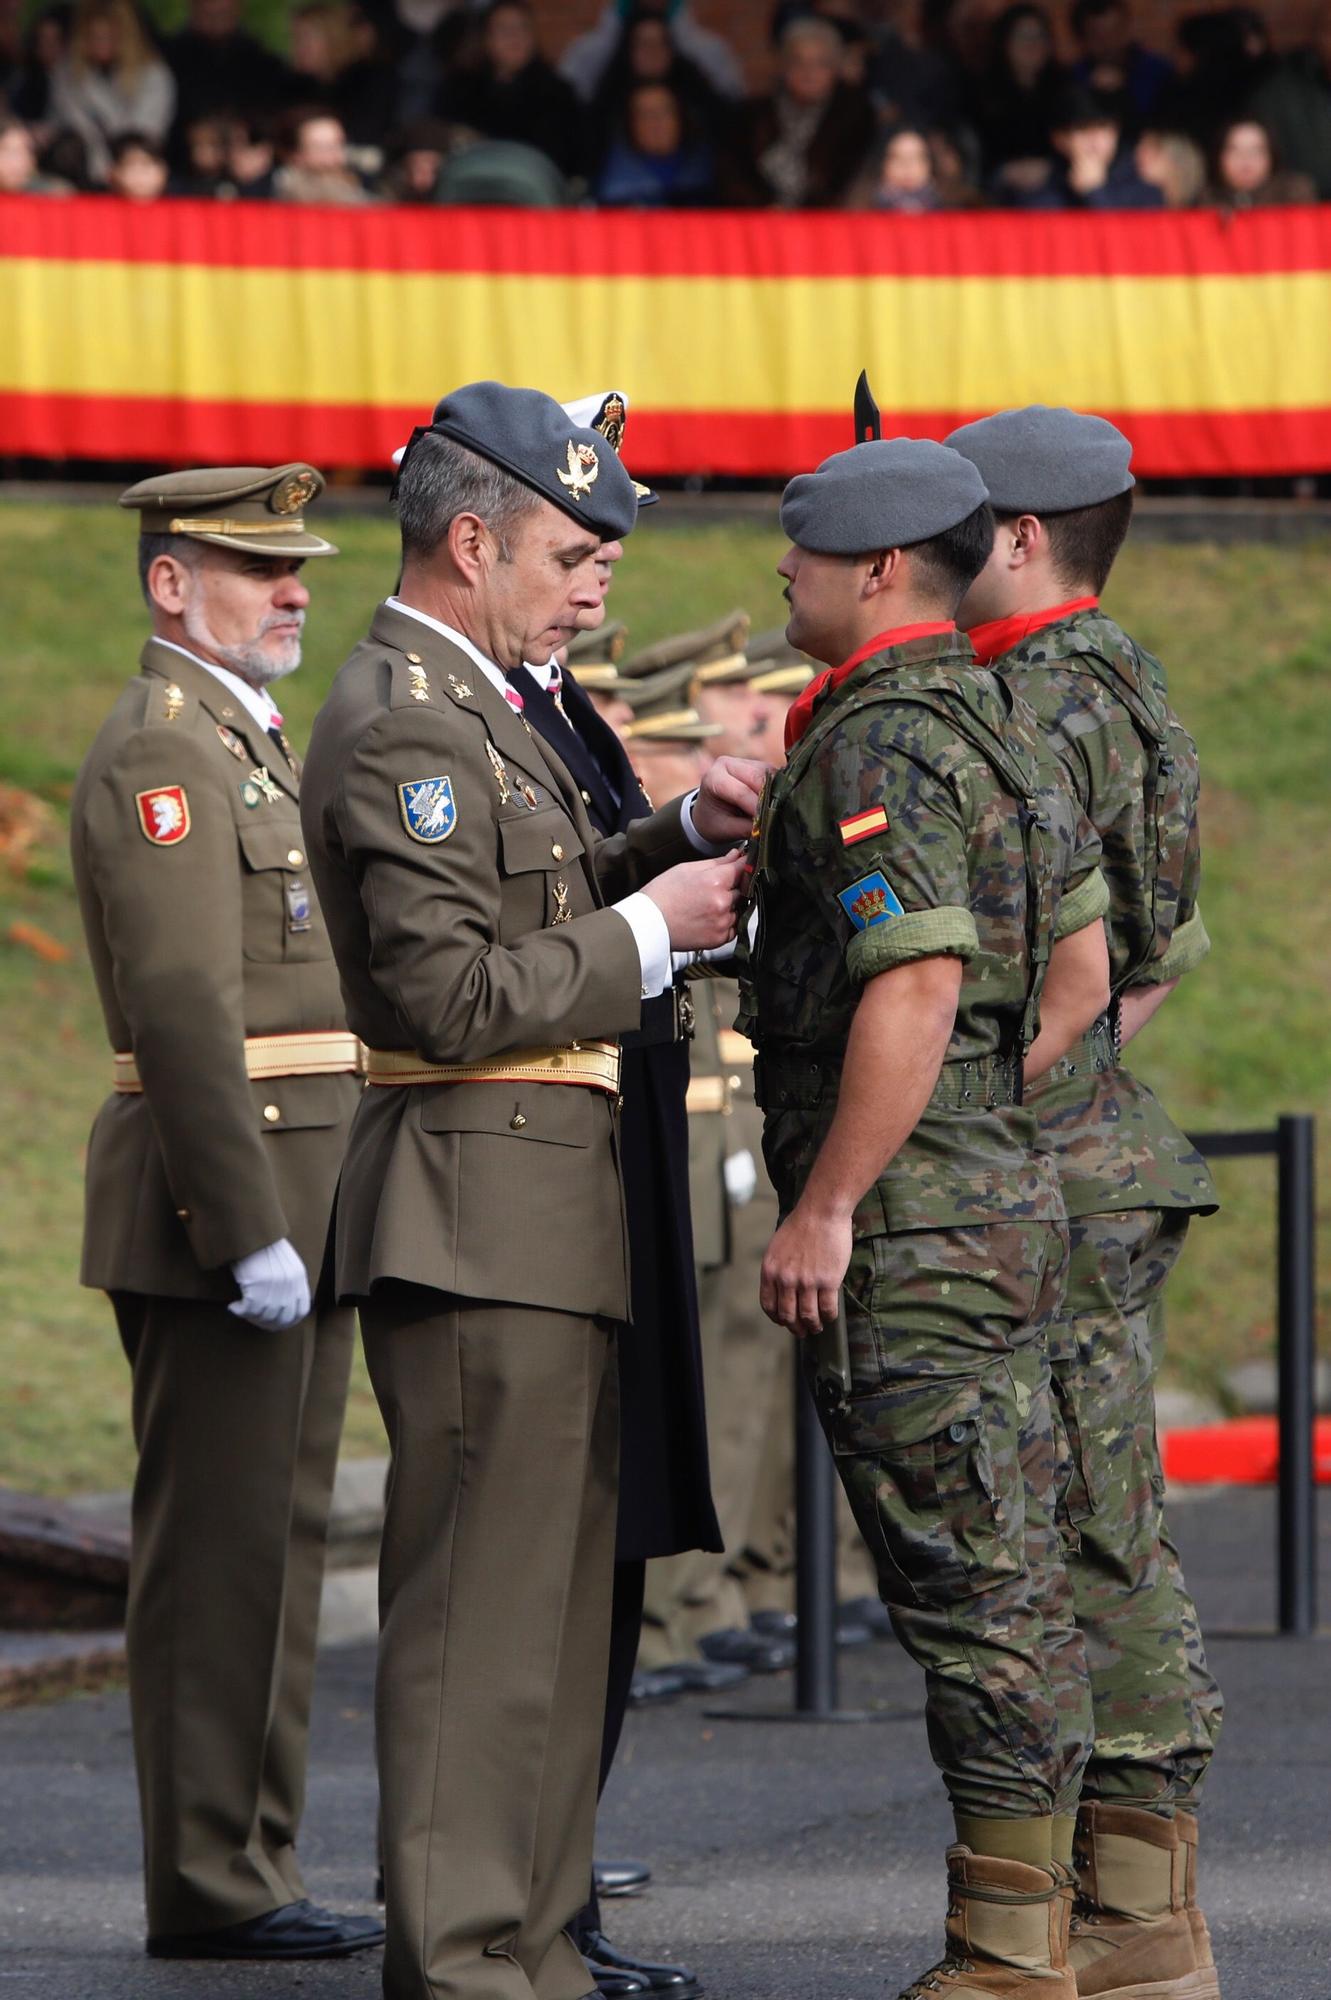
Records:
x=999, y=635
x=800, y=713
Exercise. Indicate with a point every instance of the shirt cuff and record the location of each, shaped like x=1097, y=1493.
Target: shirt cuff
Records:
x=915, y=934
x=691, y=833
x=1187, y=948
x=1083, y=905
x=651, y=934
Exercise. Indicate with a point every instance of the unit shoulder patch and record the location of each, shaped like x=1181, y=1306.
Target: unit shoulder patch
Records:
x=429, y=810
x=860, y=825
x=870, y=901
x=163, y=815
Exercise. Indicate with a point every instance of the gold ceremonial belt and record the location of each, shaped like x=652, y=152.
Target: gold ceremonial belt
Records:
x=322, y=1052
x=593, y=1064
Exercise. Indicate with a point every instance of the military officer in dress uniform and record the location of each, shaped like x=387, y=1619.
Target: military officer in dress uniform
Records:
x=210, y=1179
x=480, y=1216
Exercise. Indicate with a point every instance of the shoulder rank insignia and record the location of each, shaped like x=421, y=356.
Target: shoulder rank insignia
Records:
x=429, y=810
x=869, y=901
x=583, y=469
x=420, y=686
x=163, y=815
x=173, y=702
x=500, y=769
x=232, y=741
x=859, y=826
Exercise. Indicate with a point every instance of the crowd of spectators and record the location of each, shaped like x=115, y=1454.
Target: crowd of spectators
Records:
x=901, y=105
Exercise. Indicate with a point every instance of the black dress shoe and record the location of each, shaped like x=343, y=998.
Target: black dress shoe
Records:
x=620, y=1878
x=653, y=1685
x=611, y=1984
x=710, y=1676
x=745, y=1648
x=870, y=1611
x=672, y=1980
x=297, y=1930
x=774, y=1624
x=851, y=1628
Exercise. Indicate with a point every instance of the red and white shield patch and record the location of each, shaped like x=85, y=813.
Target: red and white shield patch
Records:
x=163, y=815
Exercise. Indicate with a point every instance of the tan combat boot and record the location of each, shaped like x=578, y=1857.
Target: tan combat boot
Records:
x=1131, y=1938
x=1004, y=1934
x=1185, y=1884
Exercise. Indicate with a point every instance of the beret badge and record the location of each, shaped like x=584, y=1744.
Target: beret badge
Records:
x=583, y=469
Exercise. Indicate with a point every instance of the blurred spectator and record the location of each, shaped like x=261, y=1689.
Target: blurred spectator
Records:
x=109, y=82
x=1225, y=54
x=1294, y=104
x=335, y=61
x=901, y=176
x=44, y=47
x=1014, y=101
x=19, y=172
x=657, y=161
x=419, y=40
x=648, y=53
x=218, y=67
x=1174, y=163
x=509, y=91
x=1123, y=76
x=910, y=82
x=65, y=158
x=955, y=155
x=415, y=159
x=313, y=146
x=1094, y=168
x=809, y=139
x=504, y=174
x=205, y=164
x=1247, y=173
x=138, y=170
x=251, y=161
x=587, y=61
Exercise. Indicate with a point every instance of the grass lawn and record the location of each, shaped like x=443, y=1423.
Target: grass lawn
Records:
x=1246, y=634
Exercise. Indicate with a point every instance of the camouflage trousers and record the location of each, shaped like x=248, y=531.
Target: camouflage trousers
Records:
x=1157, y=1706
x=946, y=1446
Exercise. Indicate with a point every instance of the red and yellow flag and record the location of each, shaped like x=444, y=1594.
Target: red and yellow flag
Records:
x=245, y=333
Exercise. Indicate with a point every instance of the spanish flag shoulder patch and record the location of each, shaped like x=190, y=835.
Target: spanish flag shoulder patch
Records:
x=858, y=826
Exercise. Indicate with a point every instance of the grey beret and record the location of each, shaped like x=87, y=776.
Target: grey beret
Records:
x=531, y=436
x=884, y=494
x=1046, y=461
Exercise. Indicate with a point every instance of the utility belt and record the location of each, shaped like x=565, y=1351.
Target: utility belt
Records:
x=980, y=1083
x=328, y=1052
x=593, y=1065
x=1096, y=1050
x=666, y=1017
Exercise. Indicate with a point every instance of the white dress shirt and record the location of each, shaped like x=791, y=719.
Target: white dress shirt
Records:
x=640, y=913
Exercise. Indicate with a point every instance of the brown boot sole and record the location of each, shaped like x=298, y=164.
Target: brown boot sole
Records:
x=1201, y=1985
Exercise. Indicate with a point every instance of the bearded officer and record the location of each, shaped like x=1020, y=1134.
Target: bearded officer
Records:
x=480, y=1212
x=210, y=1181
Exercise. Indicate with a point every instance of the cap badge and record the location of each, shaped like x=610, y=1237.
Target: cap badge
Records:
x=292, y=493
x=429, y=810
x=609, y=421
x=163, y=815
x=583, y=469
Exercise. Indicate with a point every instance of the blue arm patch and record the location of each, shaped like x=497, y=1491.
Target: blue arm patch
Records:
x=870, y=901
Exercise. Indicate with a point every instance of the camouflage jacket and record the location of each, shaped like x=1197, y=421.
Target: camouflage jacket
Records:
x=916, y=816
x=1104, y=709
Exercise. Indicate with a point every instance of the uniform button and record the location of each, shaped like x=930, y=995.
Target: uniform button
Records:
x=413, y=659
x=516, y=1122
x=272, y=1112
x=959, y=1432
x=557, y=852
x=183, y=1213
x=294, y=856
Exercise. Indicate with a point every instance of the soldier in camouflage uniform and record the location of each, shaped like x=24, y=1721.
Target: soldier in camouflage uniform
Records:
x=911, y=875
x=1062, y=492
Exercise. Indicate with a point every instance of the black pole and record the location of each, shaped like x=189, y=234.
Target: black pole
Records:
x=1297, y=1362
x=815, y=1559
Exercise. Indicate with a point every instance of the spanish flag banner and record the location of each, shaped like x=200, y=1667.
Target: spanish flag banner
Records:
x=240, y=333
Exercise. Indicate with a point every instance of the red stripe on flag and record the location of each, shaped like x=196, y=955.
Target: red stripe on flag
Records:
x=180, y=431
x=742, y=244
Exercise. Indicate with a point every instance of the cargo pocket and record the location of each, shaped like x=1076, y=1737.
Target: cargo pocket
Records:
x=933, y=1476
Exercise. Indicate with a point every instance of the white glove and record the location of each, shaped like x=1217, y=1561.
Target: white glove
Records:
x=274, y=1290
x=741, y=1179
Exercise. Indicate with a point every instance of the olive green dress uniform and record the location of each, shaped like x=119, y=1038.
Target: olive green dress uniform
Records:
x=208, y=949
x=481, y=1223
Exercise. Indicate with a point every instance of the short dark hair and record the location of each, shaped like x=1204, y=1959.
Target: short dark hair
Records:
x=948, y=564
x=441, y=479
x=152, y=546
x=135, y=142
x=1084, y=543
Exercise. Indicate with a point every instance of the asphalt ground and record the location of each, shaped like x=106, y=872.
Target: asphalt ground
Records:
x=792, y=1862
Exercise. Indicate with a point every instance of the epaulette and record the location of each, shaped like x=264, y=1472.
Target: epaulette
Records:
x=415, y=684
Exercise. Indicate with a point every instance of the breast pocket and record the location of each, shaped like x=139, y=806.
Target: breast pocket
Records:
x=541, y=855
x=281, y=920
